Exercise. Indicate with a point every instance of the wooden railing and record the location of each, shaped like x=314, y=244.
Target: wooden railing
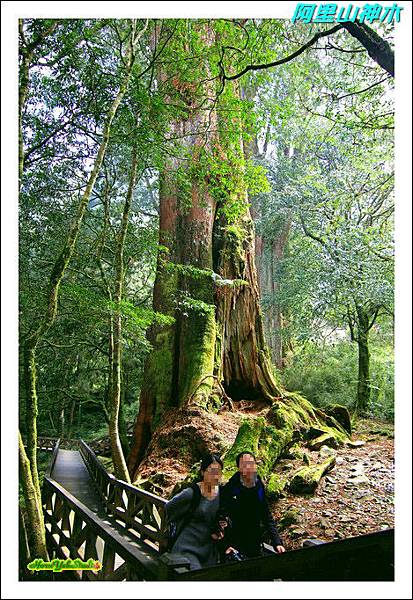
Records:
x=102, y=446
x=363, y=558
x=52, y=461
x=140, y=512
x=73, y=531
x=49, y=443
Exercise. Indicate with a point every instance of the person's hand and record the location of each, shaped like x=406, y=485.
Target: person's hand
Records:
x=279, y=549
x=219, y=534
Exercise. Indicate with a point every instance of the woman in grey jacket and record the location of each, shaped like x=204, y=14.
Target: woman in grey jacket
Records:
x=198, y=514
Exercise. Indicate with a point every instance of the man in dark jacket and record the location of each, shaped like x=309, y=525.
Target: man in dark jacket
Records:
x=245, y=503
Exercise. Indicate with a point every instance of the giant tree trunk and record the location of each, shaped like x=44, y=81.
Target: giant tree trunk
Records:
x=207, y=281
x=183, y=353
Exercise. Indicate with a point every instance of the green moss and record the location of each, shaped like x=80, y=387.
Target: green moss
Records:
x=291, y=517
x=264, y=440
x=214, y=403
x=288, y=421
x=327, y=439
x=159, y=371
x=197, y=363
x=295, y=451
x=306, y=479
x=247, y=439
x=106, y=462
x=276, y=486
x=293, y=411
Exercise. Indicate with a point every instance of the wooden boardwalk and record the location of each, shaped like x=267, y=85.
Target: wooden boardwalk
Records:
x=71, y=472
x=91, y=514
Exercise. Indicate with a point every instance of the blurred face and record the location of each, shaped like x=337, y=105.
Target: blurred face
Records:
x=247, y=465
x=212, y=474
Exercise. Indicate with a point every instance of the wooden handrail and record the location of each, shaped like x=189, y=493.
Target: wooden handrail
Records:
x=76, y=525
x=52, y=461
x=368, y=557
x=141, y=512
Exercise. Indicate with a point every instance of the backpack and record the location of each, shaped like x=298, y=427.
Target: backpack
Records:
x=173, y=527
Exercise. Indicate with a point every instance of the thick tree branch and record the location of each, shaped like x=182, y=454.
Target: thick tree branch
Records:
x=312, y=41
x=378, y=49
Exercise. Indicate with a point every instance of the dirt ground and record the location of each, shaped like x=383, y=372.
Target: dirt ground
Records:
x=355, y=498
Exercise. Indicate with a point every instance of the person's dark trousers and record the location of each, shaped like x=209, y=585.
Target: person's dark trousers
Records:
x=252, y=550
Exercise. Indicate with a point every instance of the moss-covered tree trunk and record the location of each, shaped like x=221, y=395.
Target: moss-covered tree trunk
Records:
x=207, y=280
x=217, y=337
x=183, y=353
x=123, y=430
x=361, y=318
x=36, y=529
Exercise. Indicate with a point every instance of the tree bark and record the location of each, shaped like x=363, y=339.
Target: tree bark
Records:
x=363, y=384
x=378, y=49
x=218, y=332
x=24, y=550
x=123, y=430
x=275, y=319
x=35, y=520
x=119, y=463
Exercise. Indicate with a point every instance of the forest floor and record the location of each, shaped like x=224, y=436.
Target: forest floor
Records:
x=355, y=498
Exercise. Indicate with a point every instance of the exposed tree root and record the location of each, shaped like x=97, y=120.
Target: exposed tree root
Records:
x=173, y=456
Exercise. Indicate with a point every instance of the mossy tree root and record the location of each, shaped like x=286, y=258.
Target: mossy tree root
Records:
x=287, y=422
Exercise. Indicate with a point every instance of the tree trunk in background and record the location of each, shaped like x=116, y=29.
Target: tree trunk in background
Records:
x=24, y=549
x=268, y=255
x=217, y=334
x=272, y=255
x=119, y=462
x=123, y=430
x=363, y=385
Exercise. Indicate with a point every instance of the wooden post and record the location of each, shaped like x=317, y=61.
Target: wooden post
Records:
x=169, y=563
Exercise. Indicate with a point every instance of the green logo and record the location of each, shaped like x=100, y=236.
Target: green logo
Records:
x=57, y=565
